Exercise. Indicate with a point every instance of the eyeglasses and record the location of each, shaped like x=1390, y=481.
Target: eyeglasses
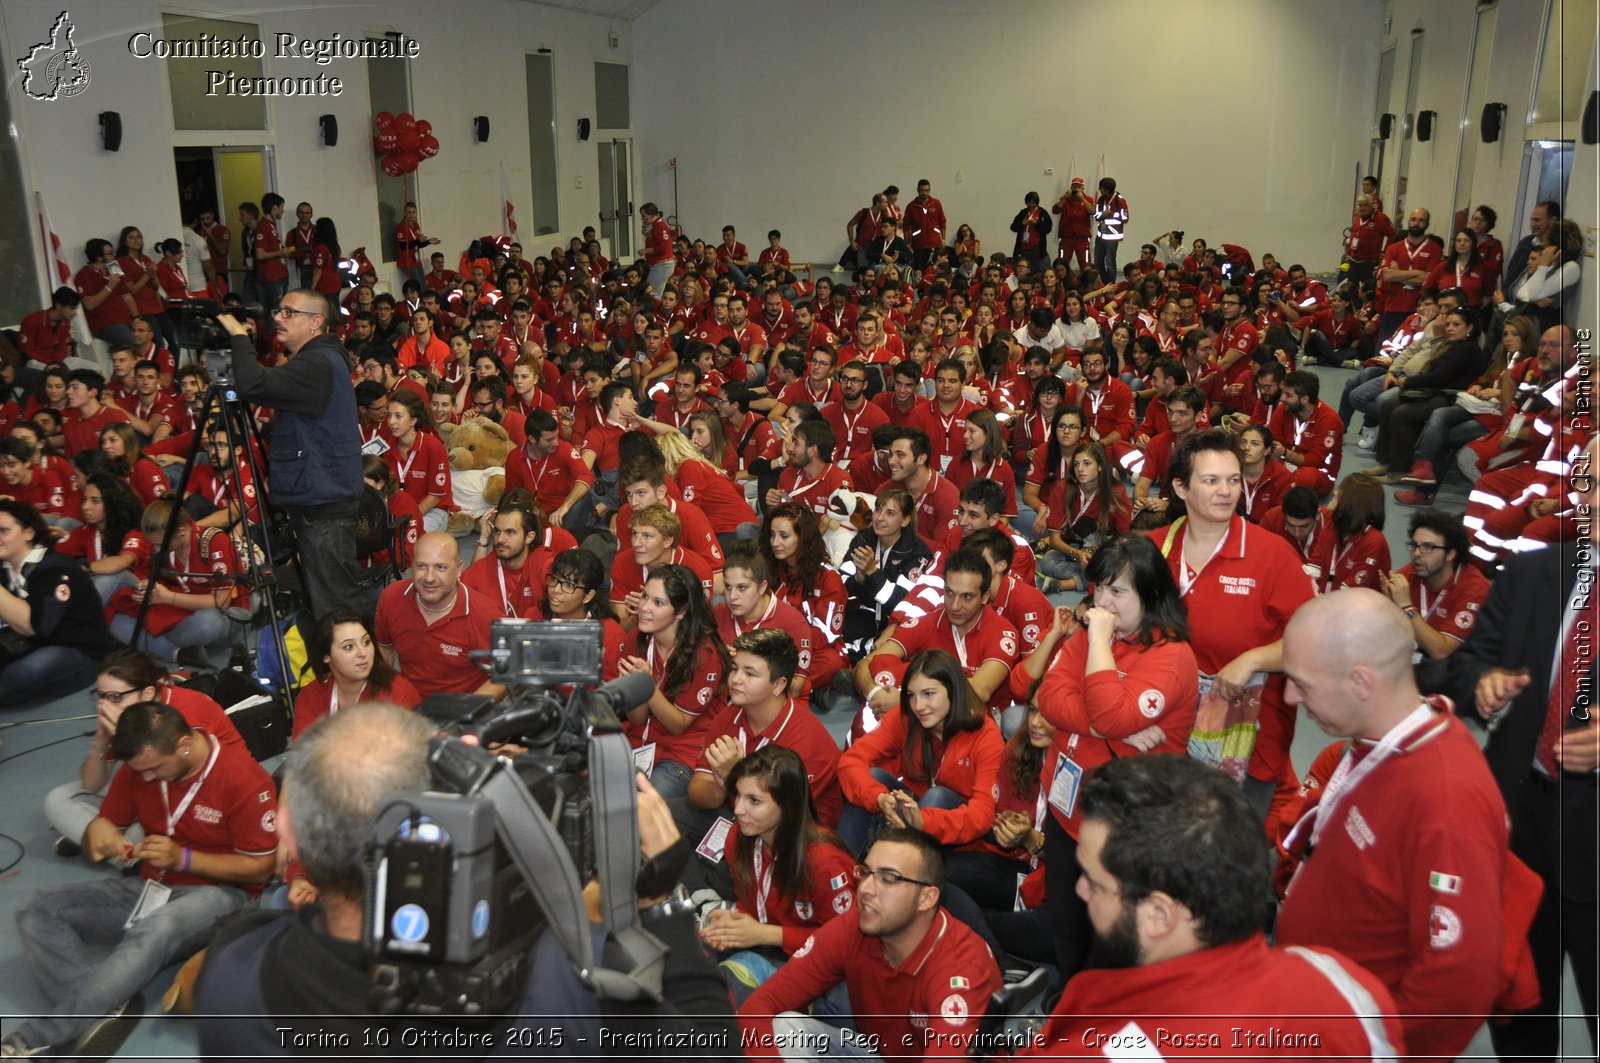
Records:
x=485, y=405
x=289, y=311
x=565, y=586
x=886, y=877
x=115, y=697
x=1422, y=548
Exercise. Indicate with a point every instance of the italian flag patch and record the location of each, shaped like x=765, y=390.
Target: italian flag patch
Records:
x=1438, y=880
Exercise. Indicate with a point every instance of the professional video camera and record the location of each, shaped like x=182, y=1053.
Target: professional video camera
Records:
x=196, y=321
x=463, y=878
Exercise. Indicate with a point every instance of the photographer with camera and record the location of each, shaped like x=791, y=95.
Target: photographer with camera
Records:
x=277, y=983
x=314, y=468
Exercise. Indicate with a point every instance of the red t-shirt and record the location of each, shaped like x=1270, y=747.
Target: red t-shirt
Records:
x=434, y=655
x=269, y=269
x=852, y=430
x=796, y=728
x=228, y=806
x=830, y=890
x=627, y=576
x=946, y=431
x=423, y=472
x=700, y=697
x=317, y=698
x=44, y=340
x=1454, y=610
x=81, y=434
x=718, y=497
x=549, y=479
x=813, y=492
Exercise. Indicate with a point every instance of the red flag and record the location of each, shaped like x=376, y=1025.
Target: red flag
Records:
x=52, y=247
x=508, y=212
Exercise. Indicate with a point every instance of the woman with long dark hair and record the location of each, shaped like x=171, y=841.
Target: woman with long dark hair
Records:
x=347, y=670
x=1050, y=462
x=932, y=763
x=110, y=510
x=677, y=646
x=418, y=460
x=793, y=546
x=1462, y=267
x=139, y=281
x=1127, y=669
x=790, y=873
x=984, y=456
x=121, y=445
x=1360, y=550
x=1087, y=509
x=988, y=867
x=326, y=277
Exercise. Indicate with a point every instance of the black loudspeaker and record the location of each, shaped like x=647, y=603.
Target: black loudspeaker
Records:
x=1489, y=127
x=1385, y=126
x=1591, y=119
x=111, y=130
x=1425, y=120
x=584, y=125
x=480, y=129
x=330, y=129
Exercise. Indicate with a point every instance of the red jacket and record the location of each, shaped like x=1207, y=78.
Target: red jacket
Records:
x=1158, y=685
x=969, y=764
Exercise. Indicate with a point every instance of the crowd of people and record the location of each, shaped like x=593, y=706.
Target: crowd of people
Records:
x=1067, y=544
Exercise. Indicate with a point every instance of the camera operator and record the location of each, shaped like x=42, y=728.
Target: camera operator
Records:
x=271, y=972
x=314, y=468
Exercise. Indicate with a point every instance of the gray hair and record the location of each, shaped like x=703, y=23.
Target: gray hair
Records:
x=337, y=774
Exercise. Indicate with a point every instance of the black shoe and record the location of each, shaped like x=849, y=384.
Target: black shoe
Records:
x=195, y=658
x=65, y=846
x=102, y=1040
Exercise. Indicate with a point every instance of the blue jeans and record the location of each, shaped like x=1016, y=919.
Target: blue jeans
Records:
x=1362, y=378
x=55, y=925
x=658, y=276
x=47, y=672
x=207, y=628
x=1057, y=565
x=1371, y=399
x=800, y=1037
x=1450, y=428
x=272, y=293
x=671, y=779
x=857, y=823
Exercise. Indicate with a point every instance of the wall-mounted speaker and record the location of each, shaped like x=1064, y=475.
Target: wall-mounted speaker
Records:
x=1591, y=119
x=480, y=129
x=330, y=130
x=1425, y=120
x=111, y=130
x=1494, y=115
x=584, y=126
x=1385, y=126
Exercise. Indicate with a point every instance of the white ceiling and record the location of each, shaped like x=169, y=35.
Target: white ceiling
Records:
x=626, y=10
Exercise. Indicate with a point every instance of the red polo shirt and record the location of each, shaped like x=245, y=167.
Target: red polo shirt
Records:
x=434, y=655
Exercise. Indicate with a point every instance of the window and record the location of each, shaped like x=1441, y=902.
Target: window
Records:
x=189, y=79
x=1569, y=38
x=1477, y=93
x=539, y=71
x=611, y=96
x=389, y=84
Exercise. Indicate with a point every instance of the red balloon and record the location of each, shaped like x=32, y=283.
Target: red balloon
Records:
x=387, y=141
x=409, y=140
x=429, y=147
x=383, y=120
x=391, y=165
x=404, y=121
x=410, y=161
x=424, y=128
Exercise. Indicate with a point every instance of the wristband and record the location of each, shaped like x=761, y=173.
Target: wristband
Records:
x=1411, y=613
x=188, y=858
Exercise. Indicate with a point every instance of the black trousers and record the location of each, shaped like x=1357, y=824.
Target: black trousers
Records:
x=1553, y=832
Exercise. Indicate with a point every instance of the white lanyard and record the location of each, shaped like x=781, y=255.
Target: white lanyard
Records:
x=1349, y=775
x=1095, y=400
x=194, y=789
x=740, y=629
x=1188, y=576
x=763, y=880
x=960, y=640
x=1338, y=556
x=650, y=659
x=1083, y=509
x=850, y=425
x=333, y=696
x=405, y=466
x=505, y=597
x=1250, y=493
x=1422, y=595
x=1299, y=428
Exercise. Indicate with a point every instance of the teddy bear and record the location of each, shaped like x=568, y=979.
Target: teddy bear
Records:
x=478, y=448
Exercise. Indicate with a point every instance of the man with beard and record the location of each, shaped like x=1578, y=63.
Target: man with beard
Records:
x=1405, y=267
x=1309, y=434
x=1174, y=870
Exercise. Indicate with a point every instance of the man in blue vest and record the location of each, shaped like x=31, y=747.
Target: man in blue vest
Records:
x=314, y=468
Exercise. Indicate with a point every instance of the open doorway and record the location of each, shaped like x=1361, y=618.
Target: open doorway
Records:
x=220, y=179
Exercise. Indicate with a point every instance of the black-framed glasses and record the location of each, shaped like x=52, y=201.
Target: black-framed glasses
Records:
x=115, y=697
x=1422, y=548
x=886, y=877
x=565, y=586
x=289, y=311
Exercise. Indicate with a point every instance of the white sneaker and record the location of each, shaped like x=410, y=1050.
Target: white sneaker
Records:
x=1368, y=440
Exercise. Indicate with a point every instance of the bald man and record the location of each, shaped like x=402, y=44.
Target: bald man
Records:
x=428, y=625
x=1406, y=849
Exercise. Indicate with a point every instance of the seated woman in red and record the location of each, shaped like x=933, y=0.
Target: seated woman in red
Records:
x=575, y=589
x=793, y=546
x=147, y=479
x=348, y=669
x=933, y=762
x=790, y=874
x=1127, y=671
x=109, y=511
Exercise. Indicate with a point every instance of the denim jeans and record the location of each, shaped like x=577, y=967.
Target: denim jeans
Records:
x=207, y=628
x=69, y=809
x=272, y=293
x=1057, y=565
x=326, y=542
x=671, y=779
x=856, y=824
x=658, y=276
x=1361, y=378
x=55, y=925
x=47, y=672
x=1448, y=429
x=108, y=583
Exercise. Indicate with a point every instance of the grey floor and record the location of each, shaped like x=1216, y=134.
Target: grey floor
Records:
x=44, y=744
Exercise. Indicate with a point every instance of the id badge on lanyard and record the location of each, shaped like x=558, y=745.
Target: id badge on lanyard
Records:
x=1067, y=780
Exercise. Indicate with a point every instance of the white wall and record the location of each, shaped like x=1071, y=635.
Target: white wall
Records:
x=471, y=63
x=791, y=116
